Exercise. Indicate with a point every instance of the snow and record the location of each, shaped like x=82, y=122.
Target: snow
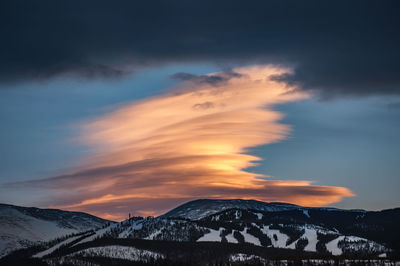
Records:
x=120, y=252
x=281, y=238
x=99, y=233
x=154, y=234
x=216, y=218
x=136, y=225
x=198, y=209
x=250, y=238
x=18, y=230
x=55, y=247
x=237, y=215
x=213, y=236
x=311, y=235
x=21, y=227
x=332, y=246
x=125, y=233
x=292, y=245
x=354, y=243
x=243, y=257
x=231, y=239
x=355, y=238
x=152, y=229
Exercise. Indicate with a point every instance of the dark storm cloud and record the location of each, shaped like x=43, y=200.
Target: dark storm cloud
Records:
x=335, y=47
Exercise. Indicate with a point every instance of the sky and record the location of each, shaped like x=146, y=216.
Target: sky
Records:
x=130, y=108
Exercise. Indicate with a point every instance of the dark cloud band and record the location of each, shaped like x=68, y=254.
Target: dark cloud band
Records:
x=335, y=47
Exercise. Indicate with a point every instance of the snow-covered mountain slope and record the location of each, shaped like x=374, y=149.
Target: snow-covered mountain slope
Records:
x=380, y=226
x=235, y=226
x=21, y=227
x=197, y=209
x=249, y=227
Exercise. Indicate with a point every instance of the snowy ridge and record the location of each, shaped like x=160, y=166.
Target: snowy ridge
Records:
x=22, y=227
x=198, y=209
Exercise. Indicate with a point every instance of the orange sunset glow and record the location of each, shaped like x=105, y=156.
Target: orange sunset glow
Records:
x=192, y=142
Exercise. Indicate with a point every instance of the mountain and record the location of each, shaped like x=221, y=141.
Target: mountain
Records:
x=22, y=227
x=197, y=209
x=381, y=226
x=225, y=231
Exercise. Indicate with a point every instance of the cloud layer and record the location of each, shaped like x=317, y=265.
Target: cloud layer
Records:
x=336, y=47
x=192, y=142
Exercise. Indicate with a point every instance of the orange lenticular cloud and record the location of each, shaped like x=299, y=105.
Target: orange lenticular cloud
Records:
x=153, y=154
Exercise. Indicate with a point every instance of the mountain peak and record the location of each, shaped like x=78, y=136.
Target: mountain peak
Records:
x=200, y=208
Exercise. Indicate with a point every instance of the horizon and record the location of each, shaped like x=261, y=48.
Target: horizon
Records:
x=174, y=207
x=135, y=107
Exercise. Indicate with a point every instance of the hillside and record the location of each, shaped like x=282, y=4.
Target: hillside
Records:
x=228, y=231
x=22, y=227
